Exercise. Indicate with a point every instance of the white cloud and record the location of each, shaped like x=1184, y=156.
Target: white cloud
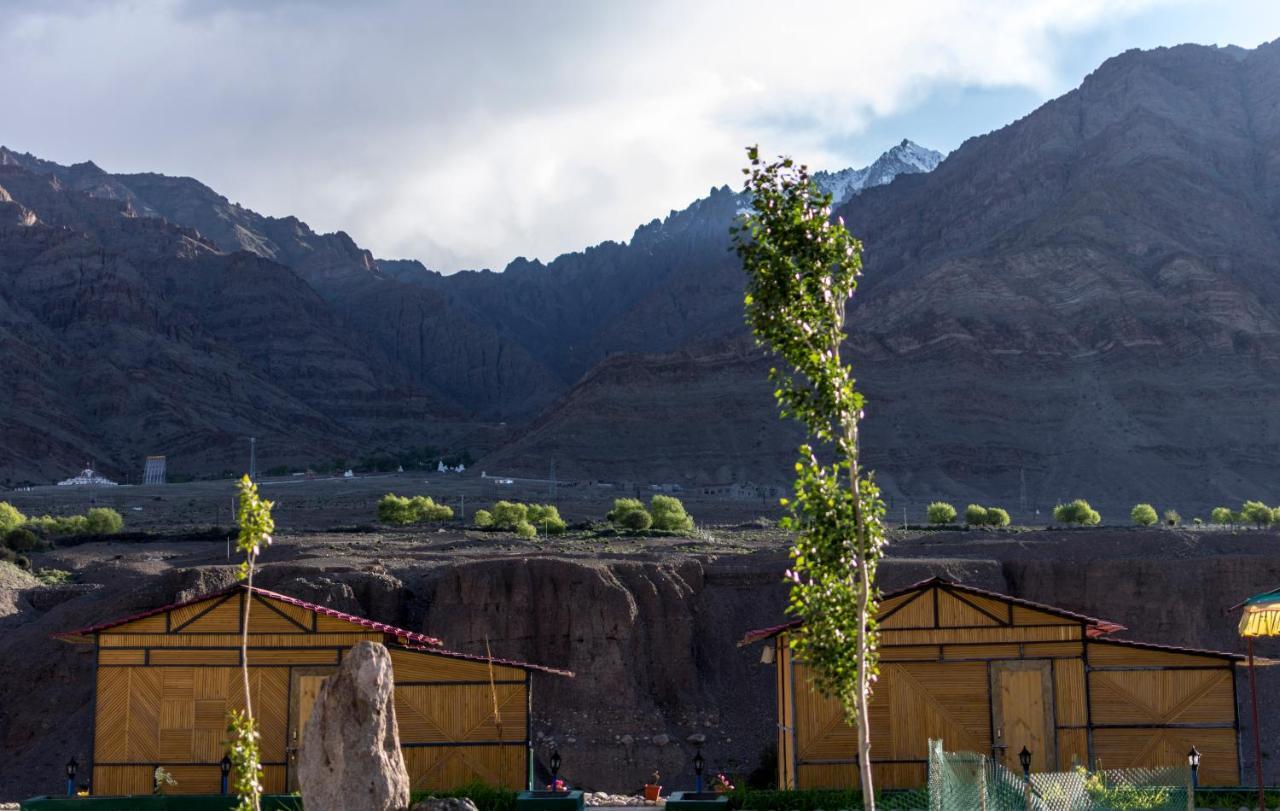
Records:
x=466, y=134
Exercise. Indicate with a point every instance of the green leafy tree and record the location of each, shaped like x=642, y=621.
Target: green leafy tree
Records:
x=256, y=528
x=1257, y=512
x=940, y=512
x=975, y=515
x=546, y=518
x=510, y=514
x=1172, y=518
x=629, y=513
x=10, y=517
x=393, y=509
x=103, y=521
x=1077, y=512
x=997, y=517
x=424, y=509
x=526, y=530
x=669, y=514
x=22, y=539
x=802, y=269
x=484, y=519
x=1144, y=515
x=1221, y=515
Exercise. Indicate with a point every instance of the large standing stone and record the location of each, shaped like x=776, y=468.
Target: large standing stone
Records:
x=350, y=755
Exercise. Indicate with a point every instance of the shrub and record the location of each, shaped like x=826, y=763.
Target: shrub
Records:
x=1172, y=518
x=629, y=513
x=1257, y=512
x=997, y=517
x=22, y=539
x=423, y=508
x=669, y=514
x=546, y=517
x=1144, y=515
x=393, y=509
x=52, y=577
x=526, y=530
x=53, y=526
x=940, y=512
x=484, y=519
x=975, y=515
x=10, y=516
x=509, y=514
x=1197, y=521
x=103, y=521
x=1221, y=515
x=1077, y=512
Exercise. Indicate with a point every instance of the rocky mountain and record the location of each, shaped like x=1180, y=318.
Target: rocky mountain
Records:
x=123, y=335
x=904, y=159
x=1084, y=302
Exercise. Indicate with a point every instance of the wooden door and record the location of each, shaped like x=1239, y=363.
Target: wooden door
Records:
x=304, y=688
x=1022, y=713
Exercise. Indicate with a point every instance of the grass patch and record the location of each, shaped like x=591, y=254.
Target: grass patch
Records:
x=53, y=577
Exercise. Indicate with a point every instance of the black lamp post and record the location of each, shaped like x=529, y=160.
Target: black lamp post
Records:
x=1024, y=758
x=555, y=769
x=225, y=766
x=698, y=763
x=72, y=765
x=1193, y=758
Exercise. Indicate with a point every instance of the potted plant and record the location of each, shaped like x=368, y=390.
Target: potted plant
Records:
x=722, y=784
x=654, y=789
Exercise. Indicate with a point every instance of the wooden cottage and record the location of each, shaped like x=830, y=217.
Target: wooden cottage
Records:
x=166, y=679
x=990, y=673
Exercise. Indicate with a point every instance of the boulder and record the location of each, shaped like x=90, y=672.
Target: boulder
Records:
x=350, y=756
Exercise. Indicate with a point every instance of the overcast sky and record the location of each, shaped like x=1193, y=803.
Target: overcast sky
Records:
x=465, y=134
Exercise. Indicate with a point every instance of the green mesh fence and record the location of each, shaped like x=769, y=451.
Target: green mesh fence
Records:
x=964, y=781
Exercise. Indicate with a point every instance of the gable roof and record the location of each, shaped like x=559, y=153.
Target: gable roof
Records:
x=1094, y=627
x=413, y=640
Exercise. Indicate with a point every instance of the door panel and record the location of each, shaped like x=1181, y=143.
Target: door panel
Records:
x=304, y=688
x=1022, y=713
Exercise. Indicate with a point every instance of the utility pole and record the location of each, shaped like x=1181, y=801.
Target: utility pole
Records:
x=253, y=457
x=553, y=481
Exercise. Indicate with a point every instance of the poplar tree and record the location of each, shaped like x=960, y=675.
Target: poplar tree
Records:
x=802, y=269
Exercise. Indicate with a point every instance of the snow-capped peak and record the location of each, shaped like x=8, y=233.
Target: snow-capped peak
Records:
x=906, y=158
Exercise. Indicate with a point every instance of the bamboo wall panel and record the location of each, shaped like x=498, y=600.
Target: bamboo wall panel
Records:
x=898, y=653
x=293, y=656
x=1162, y=697
x=327, y=624
x=121, y=780
x=266, y=618
x=1009, y=651
x=1060, y=633
x=442, y=767
x=885, y=606
x=1068, y=693
x=953, y=612
x=820, y=729
x=111, y=715
x=1022, y=712
x=416, y=666
x=223, y=618
x=146, y=625
x=207, y=656
x=1033, y=650
x=1102, y=654
x=1123, y=748
x=1073, y=749
x=996, y=608
x=1030, y=616
x=786, y=729
x=845, y=775
x=183, y=614
x=195, y=779
x=442, y=714
x=121, y=657
x=917, y=613
x=298, y=640
x=302, y=616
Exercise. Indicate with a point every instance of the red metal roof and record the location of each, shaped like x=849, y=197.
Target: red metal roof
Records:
x=1097, y=627
x=424, y=642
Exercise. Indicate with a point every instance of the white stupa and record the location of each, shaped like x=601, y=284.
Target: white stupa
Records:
x=87, y=477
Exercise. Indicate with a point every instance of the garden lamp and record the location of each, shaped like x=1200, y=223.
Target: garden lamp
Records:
x=1193, y=758
x=1024, y=758
x=555, y=766
x=698, y=763
x=72, y=765
x=225, y=766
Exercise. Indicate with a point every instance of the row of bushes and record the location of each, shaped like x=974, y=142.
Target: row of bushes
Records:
x=523, y=519
x=975, y=515
x=23, y=534
x=666, y=513
x=402, y=511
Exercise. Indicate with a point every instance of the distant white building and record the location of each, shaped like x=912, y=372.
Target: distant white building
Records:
x=87, y=477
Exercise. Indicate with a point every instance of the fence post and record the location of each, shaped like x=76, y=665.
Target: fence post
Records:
x=982, y=784
x=1191, y=792
x=1026, y=791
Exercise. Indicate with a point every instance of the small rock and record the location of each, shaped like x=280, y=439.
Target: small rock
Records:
x=661, y=740
x=627, y=740
x=444, y=804
x=697, y=738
